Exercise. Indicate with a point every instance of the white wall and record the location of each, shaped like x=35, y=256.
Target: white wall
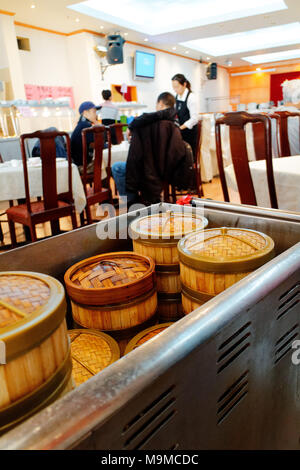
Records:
x=71, y=61
x=47, y=62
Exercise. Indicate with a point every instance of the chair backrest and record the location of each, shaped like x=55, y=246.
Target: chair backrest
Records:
x=237, y=122
x=115, y=137
x=48, y=159
x=98, y=133
x=198, y=157
x=259, y=137
x=284, y=134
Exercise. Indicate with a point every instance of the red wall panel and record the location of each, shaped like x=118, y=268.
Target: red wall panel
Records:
x=275, y=84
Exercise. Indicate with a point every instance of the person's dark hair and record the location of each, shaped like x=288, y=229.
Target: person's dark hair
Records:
x=106, y=94
x=182, y=80
x=167, y=99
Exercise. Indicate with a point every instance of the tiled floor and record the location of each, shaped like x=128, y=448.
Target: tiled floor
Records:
x=211, y=190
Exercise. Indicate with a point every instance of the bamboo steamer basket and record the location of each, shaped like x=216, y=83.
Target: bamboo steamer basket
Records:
x=157, y=236
x=113, y=292
x=169, y=307
x=213, y=260
x=33, y=328
x=91, y=352
x=145, y=335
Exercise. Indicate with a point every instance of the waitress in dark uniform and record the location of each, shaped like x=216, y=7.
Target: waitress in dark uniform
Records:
x=186, y=107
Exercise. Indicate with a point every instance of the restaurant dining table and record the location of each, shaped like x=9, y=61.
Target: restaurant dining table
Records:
x=287, y=182
x=12, y=180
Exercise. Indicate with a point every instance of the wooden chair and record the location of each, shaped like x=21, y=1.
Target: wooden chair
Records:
x=259, y=137
x=171, y=196
x=53, y=206
x=114, y=137
x=236, y=122
x=95, y=193
x=284, y=136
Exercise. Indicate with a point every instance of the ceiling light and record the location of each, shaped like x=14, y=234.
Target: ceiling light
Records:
x=251, y=72
x=125, y=34
x=146, y=39
x=77, y=20
x=258, y=69
x=273, y=56
x=252, y=40
x=174, y=48
x=32, y=6
x=187, y=52
x=207, y=58
x=101, y=27
x=194, y=14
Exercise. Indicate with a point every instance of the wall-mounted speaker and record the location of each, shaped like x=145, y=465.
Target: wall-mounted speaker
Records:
x=211, y=71
x=115, y=49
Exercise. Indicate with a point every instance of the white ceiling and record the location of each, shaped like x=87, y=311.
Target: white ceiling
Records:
x=55, y=15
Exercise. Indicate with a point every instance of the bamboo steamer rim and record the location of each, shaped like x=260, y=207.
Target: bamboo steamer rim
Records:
x=144, y=236
x=39, y=398
x=231, y=264
x=98, y=296
x=133, y=342
x=113, y=346
x=196, y=296
x=34, y=328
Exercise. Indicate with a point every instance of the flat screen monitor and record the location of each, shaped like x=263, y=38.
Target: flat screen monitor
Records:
x=144, y=65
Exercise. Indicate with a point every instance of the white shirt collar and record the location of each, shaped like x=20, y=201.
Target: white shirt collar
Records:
x=183, y=97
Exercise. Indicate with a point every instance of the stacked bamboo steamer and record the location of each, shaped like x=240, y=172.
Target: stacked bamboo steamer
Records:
x=157, y=236
x=92, y=351
x=114, y=293
x=38, y=365
x=145, y=335
x=213, y=260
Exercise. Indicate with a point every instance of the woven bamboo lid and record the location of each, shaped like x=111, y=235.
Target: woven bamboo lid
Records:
x=145, y=335
x=91, y=352
x=32, y=306
x=222, y=250
x=166, y=226
x=110, y=278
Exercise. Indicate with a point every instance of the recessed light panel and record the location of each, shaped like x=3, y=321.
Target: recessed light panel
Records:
x=161, y=16
x=273, y=56
x=263, y=38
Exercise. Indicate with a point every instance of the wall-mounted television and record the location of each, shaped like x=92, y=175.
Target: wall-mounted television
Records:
x=144, y=66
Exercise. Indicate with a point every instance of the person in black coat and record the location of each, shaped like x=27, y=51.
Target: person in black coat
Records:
x=155, y=151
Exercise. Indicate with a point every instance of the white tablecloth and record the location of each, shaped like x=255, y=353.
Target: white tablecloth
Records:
x=287, y=182
x=12, y=181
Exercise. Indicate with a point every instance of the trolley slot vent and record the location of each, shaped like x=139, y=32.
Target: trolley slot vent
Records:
x=290, y=291
x=231, y=338
x=232, y=396
x=288, y=309
x=234, y=357
x=284, y=345
x=233, y=349
x=146, y=410
x=140, y=434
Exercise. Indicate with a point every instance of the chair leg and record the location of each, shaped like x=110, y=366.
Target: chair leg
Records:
x=74, y=220
x=88, y=214
x=12, y=232
x=33, y=233
x=1, y=234
x=82, y=218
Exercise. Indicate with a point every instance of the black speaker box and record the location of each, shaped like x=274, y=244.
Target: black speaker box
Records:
x=211, y=71
x=115, y=49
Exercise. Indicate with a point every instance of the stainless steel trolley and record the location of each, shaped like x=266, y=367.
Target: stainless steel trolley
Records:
x=225, y=380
